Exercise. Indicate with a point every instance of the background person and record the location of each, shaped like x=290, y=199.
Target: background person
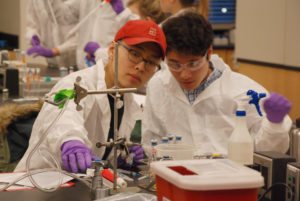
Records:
x=47, y=37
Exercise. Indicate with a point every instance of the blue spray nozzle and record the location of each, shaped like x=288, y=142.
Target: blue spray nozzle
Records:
x=255, y=99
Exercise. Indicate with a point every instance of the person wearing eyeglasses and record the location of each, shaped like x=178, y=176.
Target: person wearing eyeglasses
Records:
x=197, y=94
x=141, y=47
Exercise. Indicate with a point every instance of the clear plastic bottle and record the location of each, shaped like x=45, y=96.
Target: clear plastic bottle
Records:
x=170, y=138
x=153, y=148
x=241, y=144
x=178, y=139
x=164, y=140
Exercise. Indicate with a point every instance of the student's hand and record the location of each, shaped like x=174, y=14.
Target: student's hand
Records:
x=138, y=154
x=74, y=153
x=35, y=41
x=117, y=5
x=276, y=107
x=40, y=51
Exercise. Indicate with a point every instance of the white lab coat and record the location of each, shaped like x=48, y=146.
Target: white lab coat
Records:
x=90, y=125
x=209, y=122
x=41, y=20
x=101, y=27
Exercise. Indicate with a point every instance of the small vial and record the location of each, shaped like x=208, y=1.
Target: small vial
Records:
x=71, y=69
x=153, y=147
x=164, y=140
x=5, y=95
x=178, y=139
x=63, y=71
x=170, y=138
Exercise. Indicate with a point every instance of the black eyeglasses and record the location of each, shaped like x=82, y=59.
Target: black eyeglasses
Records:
x=135, y=57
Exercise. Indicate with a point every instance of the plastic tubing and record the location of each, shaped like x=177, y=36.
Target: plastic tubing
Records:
x=53, y=158
x=44, y=170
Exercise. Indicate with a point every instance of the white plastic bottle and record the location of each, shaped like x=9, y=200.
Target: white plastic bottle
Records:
x=241, y=144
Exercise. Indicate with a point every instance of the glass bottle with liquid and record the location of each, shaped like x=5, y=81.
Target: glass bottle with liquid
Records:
x=241, y=144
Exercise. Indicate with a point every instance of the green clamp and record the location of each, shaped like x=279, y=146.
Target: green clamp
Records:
x=63, y=94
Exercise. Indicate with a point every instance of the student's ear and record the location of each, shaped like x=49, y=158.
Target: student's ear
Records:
x=209, y=52
x=111, y=49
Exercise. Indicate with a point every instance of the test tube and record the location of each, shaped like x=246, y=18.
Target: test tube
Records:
x=153, y=147
x=28, y=77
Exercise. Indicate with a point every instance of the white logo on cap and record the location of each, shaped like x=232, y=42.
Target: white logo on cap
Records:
x=152, y=31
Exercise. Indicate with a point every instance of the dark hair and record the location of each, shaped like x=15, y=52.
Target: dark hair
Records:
x=188, y=33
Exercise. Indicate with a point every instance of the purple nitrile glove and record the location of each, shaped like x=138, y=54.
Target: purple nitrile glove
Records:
x=35, y=41
x=276, y=107
x=138, y=155
x=74, y=153
x=91, y=47
x=40, y=51
x=117, y=5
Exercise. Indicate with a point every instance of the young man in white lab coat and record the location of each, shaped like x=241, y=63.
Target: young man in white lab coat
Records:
x=197, y=94
x=141, y=47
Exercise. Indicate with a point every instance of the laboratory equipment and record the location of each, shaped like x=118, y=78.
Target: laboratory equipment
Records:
x=206, y=179
x=9, y=78
x=272, y=166
x=241, y=144
x=295, y=141
x=98, y=190
x=170, y=138
x=293, y=181
x=5, y=94
x=176, y=151
x=153, y=149
x=178, y=139
x=164, y=140
x=107, y=174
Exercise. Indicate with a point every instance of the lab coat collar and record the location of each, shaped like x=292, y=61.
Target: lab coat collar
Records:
x=220, y=84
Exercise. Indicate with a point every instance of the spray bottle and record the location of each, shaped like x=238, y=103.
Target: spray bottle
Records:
x=241, y=143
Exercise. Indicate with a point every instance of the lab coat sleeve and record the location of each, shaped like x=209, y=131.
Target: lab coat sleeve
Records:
x=69, y=45
x=268, y=136
x=102, y=53
x=68, y=126
x=32, y=25
x=272, y=136
x=66, y=11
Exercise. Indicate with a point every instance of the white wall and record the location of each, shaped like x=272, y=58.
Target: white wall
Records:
x=268, y=31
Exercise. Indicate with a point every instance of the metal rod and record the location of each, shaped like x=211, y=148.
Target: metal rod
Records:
x=112, y=91
x=116, y=99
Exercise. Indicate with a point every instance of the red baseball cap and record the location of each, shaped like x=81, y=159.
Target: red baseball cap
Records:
x=139, y=31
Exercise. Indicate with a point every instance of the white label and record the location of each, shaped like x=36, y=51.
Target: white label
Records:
x=165, y=199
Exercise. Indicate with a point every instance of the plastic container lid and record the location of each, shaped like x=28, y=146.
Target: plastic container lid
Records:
x=176, y=151
x=240, y=113
x=208, y=174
